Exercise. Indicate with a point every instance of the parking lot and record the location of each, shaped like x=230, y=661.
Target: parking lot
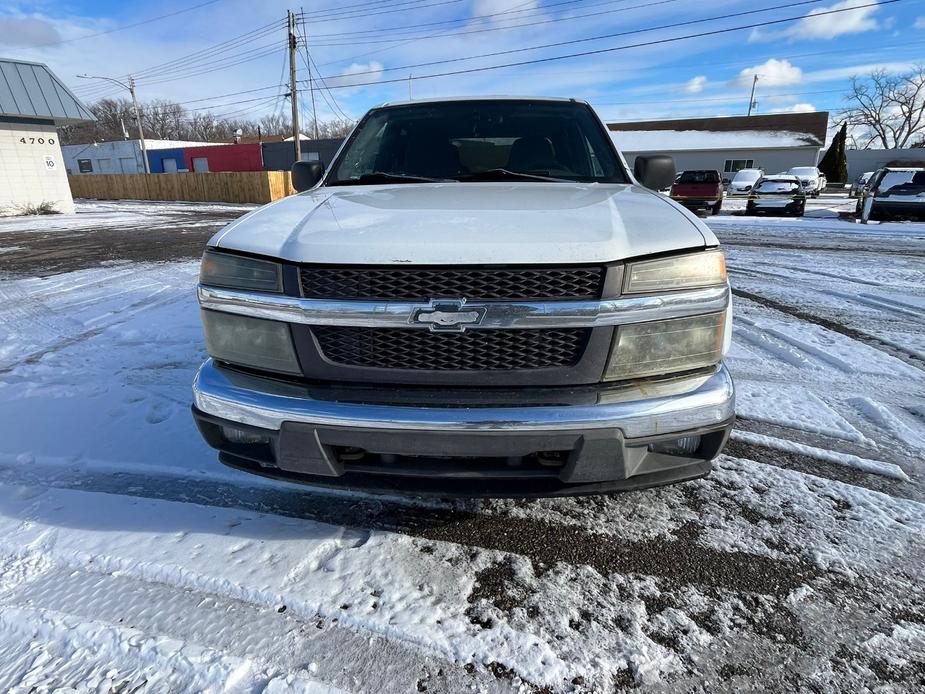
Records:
x=796, y=566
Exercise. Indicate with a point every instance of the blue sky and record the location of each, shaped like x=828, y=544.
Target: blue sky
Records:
x=802, y=65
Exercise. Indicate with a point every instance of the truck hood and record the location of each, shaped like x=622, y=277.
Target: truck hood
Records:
x=467, y=223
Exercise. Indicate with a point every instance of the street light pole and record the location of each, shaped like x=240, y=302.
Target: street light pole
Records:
x=751, y=99
x=131, y=89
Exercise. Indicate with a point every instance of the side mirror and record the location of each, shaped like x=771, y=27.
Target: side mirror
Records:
x=306, y=174
x=655, y=172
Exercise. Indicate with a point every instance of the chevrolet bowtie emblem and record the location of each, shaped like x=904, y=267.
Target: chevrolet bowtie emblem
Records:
x=449, y=315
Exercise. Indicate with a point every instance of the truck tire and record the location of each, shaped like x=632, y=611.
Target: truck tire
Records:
x=717, y=207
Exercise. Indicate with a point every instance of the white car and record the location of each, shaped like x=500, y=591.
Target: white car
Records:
x=743, y=182
x=811, y=178
x=475, y=298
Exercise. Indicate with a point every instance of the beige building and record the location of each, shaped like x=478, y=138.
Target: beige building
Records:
x=33, y=104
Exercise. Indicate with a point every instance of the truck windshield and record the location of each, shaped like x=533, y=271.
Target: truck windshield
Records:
x=478, y=141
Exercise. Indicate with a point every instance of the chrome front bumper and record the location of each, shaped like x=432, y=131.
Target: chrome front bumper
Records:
x=638, y=411
x=607, y=440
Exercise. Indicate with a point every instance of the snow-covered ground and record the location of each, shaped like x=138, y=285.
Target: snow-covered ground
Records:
x=131, y=560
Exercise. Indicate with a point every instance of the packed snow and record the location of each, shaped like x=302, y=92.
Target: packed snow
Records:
x=131, y=560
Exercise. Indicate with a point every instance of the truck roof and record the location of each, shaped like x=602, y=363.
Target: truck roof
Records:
x=494, y=97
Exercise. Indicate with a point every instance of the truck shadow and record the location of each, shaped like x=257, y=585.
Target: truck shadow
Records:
x=679, y=559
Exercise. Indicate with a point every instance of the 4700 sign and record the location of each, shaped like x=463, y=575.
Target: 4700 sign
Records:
x=37, y=140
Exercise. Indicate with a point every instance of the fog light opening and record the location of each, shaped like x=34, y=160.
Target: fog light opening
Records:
x=242, y=436
x=685, y=446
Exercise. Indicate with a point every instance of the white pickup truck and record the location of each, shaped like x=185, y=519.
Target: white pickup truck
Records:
x=475, y=298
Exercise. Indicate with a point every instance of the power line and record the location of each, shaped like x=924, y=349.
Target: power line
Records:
x=127, y=26
x=533, y=61
x=536, y=12
x=392, y=8
x=601, y=37
x=309, y=63
x=343, y=113
x=195, y=59
x=599, y=51
x=246, y=57
x=357, y=6
x=426, y=37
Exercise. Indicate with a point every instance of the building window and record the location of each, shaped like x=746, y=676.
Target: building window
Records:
x=733, y=165
x=200, y=164
x=84, y=166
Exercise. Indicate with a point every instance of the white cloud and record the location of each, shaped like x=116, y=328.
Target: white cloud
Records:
x=695, y=84
x=920, y=23
x=27, y=31
x=852, y=21
x=795, y=108
x=356, y=73
x=771, y=73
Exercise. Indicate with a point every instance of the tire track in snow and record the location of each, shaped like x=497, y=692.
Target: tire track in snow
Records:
x=776, y=348
x=910, y=358
x=883, y=417
x=882, y=303
x=800, y=345
x=781, y=271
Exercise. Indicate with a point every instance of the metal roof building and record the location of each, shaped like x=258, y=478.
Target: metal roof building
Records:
x=33, y=104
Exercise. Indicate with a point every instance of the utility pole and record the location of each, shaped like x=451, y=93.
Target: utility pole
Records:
x=293, y=87
x=141, y=132
x=311, y=88
x=131, y=89
x=410, y=93
x=308, y=64
x=751, y=100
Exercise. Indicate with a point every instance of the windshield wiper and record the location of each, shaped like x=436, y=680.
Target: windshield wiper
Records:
x=385, y=177
x=507, y=175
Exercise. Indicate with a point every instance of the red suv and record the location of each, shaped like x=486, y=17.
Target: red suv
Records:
x=699, y=190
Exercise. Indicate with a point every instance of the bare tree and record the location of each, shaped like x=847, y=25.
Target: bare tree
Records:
x=275, y=124
x=164, y=120
x=168, y=120
x=887, y=110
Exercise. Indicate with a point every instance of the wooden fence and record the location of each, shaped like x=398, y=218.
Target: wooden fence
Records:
x=239, y=186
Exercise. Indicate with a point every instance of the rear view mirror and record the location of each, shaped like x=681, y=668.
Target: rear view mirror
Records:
x=655, y=172
x=306, y=174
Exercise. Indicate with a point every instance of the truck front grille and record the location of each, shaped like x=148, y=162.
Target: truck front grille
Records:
x=423, y=284
x=473, y=350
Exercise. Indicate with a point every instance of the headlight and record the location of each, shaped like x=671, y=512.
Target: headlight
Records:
x=666, y=346
x=238, y=272
x=702, y=269
x=263, y=344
